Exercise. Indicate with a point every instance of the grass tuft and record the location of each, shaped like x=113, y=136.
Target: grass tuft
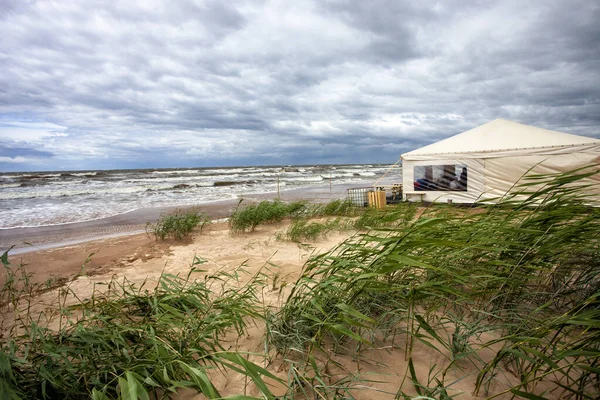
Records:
x=178, y=224
x=247, y=218
x=303, y=229
x=340, y=208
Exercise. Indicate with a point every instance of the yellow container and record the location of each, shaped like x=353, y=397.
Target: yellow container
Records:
x=377, y=199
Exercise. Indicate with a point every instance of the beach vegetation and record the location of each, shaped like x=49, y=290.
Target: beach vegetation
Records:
x=127, y=340
x=392, y=215
x=304, y=229
x=338, y=207
x=517, y=278
x=247, y=218
x=318, y=220
x=178, y=225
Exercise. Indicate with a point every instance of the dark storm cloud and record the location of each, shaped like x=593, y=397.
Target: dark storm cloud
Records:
x=390, y=22
x=22, y=151
x=126, y=84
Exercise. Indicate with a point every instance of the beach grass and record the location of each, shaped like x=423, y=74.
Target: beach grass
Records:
x=178, y=224
x=127, y=341
x=318, y=220
x=247, y=217
x=338, y=207
x=306, y=229
x=525, y=272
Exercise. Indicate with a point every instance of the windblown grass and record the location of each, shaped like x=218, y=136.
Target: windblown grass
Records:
x=526, y=270
x=247, y=218
x=395, y=215
x=304, y=229
x=318, y=220
x=178, y=224
x=127, y=341
x=339, y=208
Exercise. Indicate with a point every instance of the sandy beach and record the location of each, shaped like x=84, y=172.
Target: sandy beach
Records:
x=83, y=255
x=139, y=258
x=86, y=256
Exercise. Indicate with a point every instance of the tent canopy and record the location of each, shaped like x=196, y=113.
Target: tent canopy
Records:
x=500, y=136
x=485, y=163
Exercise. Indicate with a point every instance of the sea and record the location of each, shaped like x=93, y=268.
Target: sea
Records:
x=31, y=199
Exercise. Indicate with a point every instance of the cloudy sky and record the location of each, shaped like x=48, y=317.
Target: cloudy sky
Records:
x=140, y=83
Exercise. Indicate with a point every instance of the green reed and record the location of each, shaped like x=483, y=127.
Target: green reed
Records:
x=127, y=341
x=247, y=218
x=525, y=270
x=178, y=225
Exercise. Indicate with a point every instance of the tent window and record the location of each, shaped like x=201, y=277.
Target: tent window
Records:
x=441, y=178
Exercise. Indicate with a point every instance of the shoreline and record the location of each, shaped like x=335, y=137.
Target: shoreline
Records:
x=22, y=240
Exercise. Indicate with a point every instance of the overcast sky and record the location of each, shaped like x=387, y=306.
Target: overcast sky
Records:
x=131, y=84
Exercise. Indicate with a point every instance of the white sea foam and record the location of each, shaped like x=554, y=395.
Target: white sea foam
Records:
x=83, y=173
x=176, y=172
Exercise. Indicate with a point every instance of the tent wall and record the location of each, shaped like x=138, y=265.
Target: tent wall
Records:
x=475, y=181
x=492, y=178
x=501, y=174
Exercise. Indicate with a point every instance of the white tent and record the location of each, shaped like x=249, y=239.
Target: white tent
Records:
x=485, y=162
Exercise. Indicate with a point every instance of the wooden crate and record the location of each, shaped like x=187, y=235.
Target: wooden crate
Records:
x=377, y=199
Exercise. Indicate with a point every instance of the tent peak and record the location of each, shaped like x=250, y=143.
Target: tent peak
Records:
x=501, y=135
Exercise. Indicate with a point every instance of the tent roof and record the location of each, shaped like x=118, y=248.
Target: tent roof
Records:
x=501, y=135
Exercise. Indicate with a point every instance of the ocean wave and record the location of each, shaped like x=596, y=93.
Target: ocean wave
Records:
x=176, y=172
x=303, y=179
x=74, y=196
x=44, y=193
x=53, y=216
x=9, y=185
x=180, y=186
x=232, y=183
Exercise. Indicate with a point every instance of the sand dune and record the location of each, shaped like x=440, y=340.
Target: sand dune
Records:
x=140, y=258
